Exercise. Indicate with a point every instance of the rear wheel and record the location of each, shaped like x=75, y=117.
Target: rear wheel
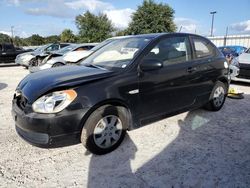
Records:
x=58, y=64
x=218, y=97
x=105, y=129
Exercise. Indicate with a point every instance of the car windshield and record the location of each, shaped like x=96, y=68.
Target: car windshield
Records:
x=97, y=47
x=41, y=48
x=118, y=53
x=66, y=49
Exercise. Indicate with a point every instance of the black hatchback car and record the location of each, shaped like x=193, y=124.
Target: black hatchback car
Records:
x=126, y=84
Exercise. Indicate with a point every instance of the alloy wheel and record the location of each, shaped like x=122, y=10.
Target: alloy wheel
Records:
x=107, y=131
x=219, y=96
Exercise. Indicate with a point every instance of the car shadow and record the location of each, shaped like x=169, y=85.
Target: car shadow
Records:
x=212, y=149
x=113, y=169
x=3, y=86
x=241, y=83
x=8, y=65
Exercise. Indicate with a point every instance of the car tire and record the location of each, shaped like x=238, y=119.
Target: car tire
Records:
x=217, y=97
x=57, y=64
x=105, y=129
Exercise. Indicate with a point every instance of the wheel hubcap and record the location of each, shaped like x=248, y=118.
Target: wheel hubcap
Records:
x=107, y=131
x=219, y=95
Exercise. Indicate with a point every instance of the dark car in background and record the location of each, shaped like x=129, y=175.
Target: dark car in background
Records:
x=8, y=52
x=122, y=86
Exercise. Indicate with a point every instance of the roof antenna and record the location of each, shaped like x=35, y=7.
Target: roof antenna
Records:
x=180, y=29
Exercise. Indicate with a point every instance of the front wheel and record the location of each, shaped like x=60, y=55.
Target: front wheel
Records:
x=218, y=97
x=105, y=129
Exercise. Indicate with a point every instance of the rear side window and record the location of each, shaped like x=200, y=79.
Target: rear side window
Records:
x=83, y=48
x=171, y=51
x=9, y=48
x=202, y=48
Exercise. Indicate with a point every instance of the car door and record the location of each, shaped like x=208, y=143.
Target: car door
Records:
x=9, y=54
x=170, y=88
x=205, y=67
x=1, y=54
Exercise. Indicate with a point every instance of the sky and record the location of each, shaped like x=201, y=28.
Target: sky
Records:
x=50, y=17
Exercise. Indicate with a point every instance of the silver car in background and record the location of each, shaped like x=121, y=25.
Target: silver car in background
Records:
x=244, y=60
x=26, y=58
x=69, y=54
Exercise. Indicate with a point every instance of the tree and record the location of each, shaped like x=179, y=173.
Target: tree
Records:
x=68, y=36
x=93, y=28
x=19, y=41
x=35, y=40
x=120, y=33
x=152, y=17
x=52, y=39
x=5, y=38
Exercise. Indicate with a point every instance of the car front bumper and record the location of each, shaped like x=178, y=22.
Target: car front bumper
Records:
x=244, y=71
x=48, y=130
x=23, y=61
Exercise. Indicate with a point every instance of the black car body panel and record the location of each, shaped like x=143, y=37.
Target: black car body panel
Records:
x=35, y=85
x=8, y=53
x=148, y=95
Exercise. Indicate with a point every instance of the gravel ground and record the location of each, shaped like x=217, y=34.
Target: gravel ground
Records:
x=193, y=149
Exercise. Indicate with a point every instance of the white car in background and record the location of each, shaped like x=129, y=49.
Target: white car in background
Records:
x=26, y=58
x=60, y=57
x=71, y=57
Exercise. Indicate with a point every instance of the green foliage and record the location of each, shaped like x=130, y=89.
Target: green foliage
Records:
x=5, y=38
x=19, y=41
x=35, y=40
x=93, y=28
x=52, y=39
x=68, y=36
x=152, y=17
x=120, y=33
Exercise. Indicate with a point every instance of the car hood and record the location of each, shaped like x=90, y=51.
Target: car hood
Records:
x=76, y=55
x=36, y=84
x=244, y=58
x=55, y=60
x=25, y=53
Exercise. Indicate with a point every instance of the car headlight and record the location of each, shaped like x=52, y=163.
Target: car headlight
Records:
x=54, y=102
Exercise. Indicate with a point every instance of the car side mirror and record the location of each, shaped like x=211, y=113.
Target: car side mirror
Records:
x=151, y=64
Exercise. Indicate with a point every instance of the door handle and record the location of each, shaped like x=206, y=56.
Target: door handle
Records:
x=191, y=69
x=4, y=53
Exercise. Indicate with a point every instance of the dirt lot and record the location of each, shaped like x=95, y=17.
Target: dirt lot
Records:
x=193, y=149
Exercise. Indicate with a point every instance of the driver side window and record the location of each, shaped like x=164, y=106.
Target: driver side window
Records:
x=171, y=51
x=53, y=47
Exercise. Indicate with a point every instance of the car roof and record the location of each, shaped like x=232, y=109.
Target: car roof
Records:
x=87, y=44
x=155, y=35
x=232, y=46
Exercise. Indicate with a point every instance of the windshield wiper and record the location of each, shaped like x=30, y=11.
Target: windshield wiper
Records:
x=94, y=66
